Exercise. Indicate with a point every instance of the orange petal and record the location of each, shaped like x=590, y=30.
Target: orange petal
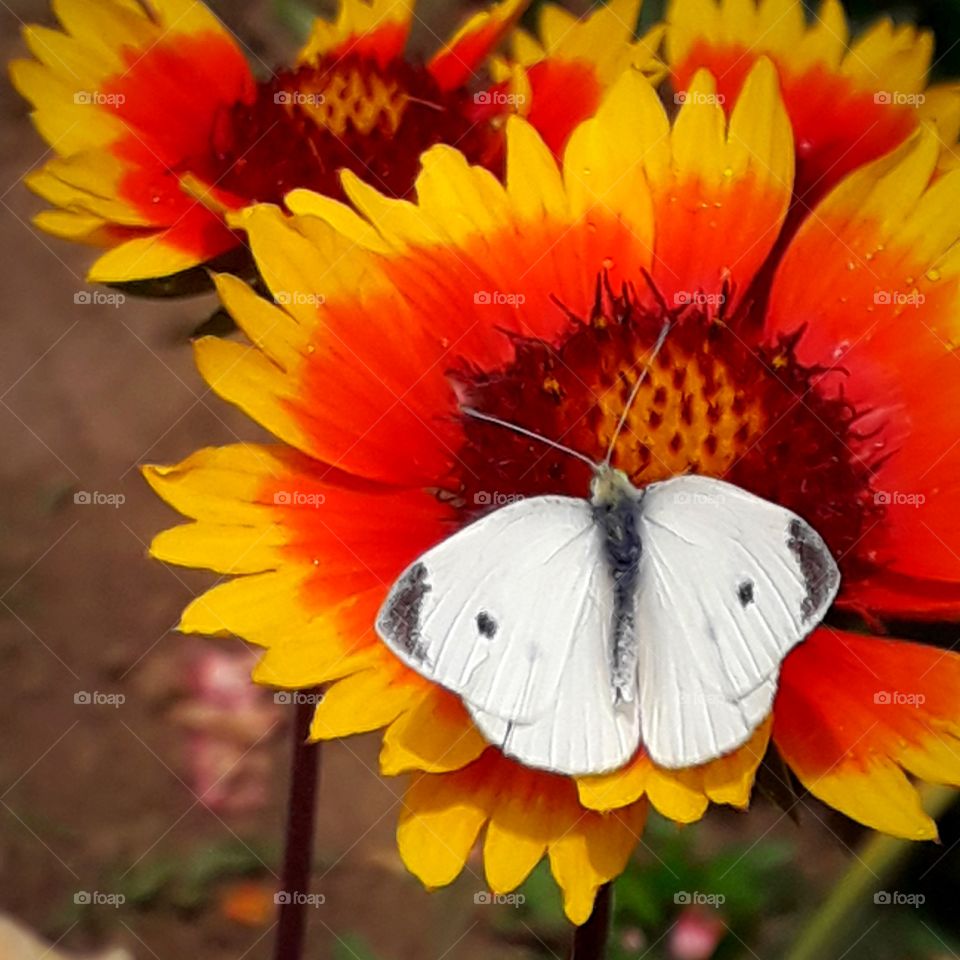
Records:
x=377, y=30
x=462, y=55
x=854, y=714
x=873, y=281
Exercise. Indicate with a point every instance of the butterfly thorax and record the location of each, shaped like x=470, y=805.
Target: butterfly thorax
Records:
x=610, y=486
x=615, y=501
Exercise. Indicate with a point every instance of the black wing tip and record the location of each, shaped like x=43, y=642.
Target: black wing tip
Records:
x=819, y=569
x=399, y=620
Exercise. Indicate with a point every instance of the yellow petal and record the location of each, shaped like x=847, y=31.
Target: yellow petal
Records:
x=244, y=376
x=399, y=222
x=610, y=791
x=343, y=219
x=141, y=259
x=268, y=327
x=314, y=653
x=730, y=779
x=607, y=159
x=677, y=794
x=224, y=549
x=460, y=200
x=364, y=701
x=438, y=826
x=254, y=608
x=219, y=484
x=594, y=850
x=534, y=183
x=879, y=796
x=522, y=822
x=431, y=739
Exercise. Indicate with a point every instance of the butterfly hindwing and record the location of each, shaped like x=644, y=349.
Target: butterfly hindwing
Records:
x=585, y=729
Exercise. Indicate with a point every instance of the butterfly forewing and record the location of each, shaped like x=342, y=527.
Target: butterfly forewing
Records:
x=728, y=584
x=492, y=612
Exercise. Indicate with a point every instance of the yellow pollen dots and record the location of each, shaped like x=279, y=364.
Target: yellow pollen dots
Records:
x=351, y=99
x=688, y=415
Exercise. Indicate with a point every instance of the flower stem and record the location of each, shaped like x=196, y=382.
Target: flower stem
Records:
x=298, y=846
x=877, y=861
x=590, y=939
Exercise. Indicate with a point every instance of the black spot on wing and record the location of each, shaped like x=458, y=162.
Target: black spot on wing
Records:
x=819, y=571
x=487, y=625
x=400, y=620
x=745, y=593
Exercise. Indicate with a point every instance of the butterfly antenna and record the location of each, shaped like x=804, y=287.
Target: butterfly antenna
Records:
x=477, y=415
x=635, y=391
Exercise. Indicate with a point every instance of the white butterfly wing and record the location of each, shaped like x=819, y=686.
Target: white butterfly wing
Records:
x=728, y=584
x=583, y=730
x=492, y=613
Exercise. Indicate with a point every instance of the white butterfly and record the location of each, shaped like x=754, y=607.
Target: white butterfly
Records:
x=574, y=629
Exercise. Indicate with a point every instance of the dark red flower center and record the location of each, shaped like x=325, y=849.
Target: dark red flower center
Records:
x=713, y=402
x=306, y=125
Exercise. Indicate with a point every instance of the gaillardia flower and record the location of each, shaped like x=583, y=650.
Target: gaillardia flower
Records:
x=161, y=129
x=849, y=102
x=538, y=301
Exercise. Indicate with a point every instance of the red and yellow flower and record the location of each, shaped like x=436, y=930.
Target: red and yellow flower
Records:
x=850, y=102
x=537, y=300
x=161, y=129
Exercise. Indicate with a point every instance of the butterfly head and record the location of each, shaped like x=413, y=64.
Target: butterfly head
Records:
x=611, y=487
